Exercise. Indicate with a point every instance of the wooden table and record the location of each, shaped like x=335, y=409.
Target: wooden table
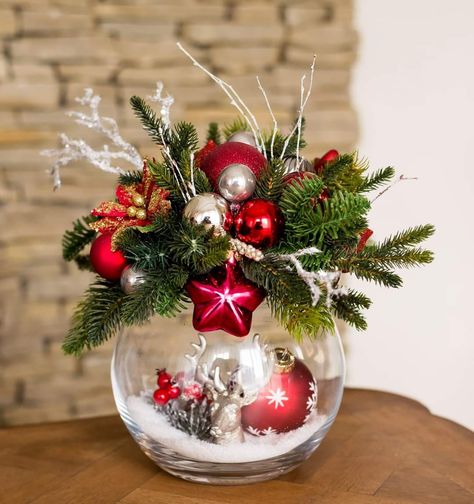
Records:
x=382, y=449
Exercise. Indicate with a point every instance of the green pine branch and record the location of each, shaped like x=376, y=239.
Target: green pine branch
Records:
x=239, y=124
x=213, y=133
x=151, y=123
x=77, y=238
x=97, y=317
x=377, y=179
x=270, y=183
x=130, y=177
x=348, y=308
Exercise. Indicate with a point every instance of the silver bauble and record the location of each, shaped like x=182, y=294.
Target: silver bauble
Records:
x=236, y=183
x=209, y=209
x=130, y=279
x=292, y=164
x=243, y=137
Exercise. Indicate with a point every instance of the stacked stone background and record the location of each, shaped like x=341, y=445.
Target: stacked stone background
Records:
x=50, y=51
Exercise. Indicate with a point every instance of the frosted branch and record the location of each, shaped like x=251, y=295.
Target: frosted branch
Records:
x=235, y=100
x=165, y=103
x=77, y=149
x=313, y=279
x=303, y=102
x=275, y=123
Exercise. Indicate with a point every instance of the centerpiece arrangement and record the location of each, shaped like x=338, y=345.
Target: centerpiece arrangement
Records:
x=205, y=235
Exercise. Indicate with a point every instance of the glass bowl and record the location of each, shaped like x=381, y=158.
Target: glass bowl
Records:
x=226, y=410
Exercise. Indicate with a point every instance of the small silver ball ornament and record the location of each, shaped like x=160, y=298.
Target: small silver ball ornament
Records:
x=236, y=183
x=293, y=164
x=208, y=209
x=130, y=279
x=243, y=137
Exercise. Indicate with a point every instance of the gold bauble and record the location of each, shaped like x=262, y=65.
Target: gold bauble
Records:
x=138, y=200
x=131, y=211
x=141, y=214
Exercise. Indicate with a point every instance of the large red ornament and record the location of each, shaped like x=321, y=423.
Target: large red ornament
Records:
x=224, y=300
x=286, y=401
x=259, y=222
x=231, y=153
x=107, y=263
x=320, y=163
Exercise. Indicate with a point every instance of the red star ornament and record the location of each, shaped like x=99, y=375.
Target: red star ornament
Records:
x=224, y=300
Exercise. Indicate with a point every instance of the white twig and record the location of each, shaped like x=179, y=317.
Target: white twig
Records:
x=191, y=166
x=165, y=103
x=275, y=123
x=76, y=149
x=235, y=100
x=174, y=168
x=312, y=278
x=401, y=178
x=301, y=109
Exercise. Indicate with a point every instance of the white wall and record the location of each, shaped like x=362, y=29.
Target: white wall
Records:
x=414, y=91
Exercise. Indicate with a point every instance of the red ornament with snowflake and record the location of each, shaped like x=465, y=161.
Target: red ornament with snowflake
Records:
x=286, y=402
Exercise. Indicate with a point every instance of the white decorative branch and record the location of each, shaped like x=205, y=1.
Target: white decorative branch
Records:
x=77, y=149
x=303, y=102
x=165, y=102
x=275, y=123
x=235, y=100
x=313, y=279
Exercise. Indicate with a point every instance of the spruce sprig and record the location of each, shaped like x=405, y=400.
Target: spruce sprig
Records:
x=76, y=239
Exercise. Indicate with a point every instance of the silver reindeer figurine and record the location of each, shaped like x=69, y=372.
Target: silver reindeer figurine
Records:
x=226, y=398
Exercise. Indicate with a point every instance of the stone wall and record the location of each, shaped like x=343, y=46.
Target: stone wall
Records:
x=50, y=51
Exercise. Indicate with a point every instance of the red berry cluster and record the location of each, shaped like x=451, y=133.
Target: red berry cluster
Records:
x=167, y=389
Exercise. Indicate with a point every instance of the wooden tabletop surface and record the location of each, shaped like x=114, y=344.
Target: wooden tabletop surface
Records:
x=382, y=449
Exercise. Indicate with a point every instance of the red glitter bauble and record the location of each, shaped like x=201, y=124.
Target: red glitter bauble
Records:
x=296, y=177
x=107, y=263
x=285, y=402
x=320, y=163
x=259, y=222
x=231, y=153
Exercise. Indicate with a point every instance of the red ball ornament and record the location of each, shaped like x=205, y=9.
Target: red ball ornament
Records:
x=161, y=396
x=164, y=379
x=296, y=177
x=107, y=263
x=259, y=222
x=174, y=392
x=232, y=153
x=320, y=163
x=285, y=403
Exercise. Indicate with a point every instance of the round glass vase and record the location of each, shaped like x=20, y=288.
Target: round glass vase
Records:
x=268, y=400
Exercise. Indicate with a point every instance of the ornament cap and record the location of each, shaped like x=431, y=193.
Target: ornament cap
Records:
x=285, y=360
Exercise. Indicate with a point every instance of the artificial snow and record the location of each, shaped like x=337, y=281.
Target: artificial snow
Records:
x=155, y=425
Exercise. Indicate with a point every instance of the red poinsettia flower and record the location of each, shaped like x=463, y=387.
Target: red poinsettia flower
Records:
x=136, y=205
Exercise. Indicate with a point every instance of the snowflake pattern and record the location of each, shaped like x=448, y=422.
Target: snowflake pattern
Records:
x=254, y=431
x=312, y=400
x=277, y=397
x=268, y=430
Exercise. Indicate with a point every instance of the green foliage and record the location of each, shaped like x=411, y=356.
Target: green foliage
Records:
x=348, y=308
x=270, y=184
x=377, y=179
x=76, y=239
x=240, y=124
x=213, y=133
x=96, y=318
x=311, y=223
x=130, y=177
x=152, y=124
x=170, y=250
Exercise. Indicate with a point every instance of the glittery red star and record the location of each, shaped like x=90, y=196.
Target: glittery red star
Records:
x=224, y=300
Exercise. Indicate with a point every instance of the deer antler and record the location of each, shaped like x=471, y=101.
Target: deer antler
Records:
x=219, y=385
x=199, y=350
